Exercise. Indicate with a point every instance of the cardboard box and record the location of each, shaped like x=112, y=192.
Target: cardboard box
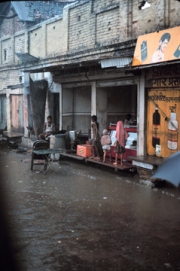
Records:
x=84, y=150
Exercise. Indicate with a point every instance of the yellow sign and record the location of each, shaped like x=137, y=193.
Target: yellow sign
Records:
x=157, y=47
x=163, y=118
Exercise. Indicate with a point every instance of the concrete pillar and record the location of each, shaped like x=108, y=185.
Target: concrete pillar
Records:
x=124, y=19
x=60, y=107
x=93, y=99
x=99, y=105
x=47, y=112
x=1, y=58
x=13, y=48
x=65, y=29
x=44, y=27
x=141, y=115
x=8, y=112
x=57, y=88
x=26, y=41
x=25, y=105
x=102, y=108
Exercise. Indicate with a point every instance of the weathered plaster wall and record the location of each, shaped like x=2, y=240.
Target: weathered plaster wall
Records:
x=81, y=34
x=99, y=5
x=54, y=33
x=8, y=78
x=107, y=26
x=19, y=45
x=161, y=15
x=7, y=51
x=37, y=43
x=98, y=23
x=12, y=39
x=9, y=27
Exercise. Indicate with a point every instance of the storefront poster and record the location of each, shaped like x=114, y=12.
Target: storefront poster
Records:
x=157, y=47
x=163, y=122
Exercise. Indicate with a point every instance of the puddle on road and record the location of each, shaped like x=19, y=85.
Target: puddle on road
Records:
x=84, y=218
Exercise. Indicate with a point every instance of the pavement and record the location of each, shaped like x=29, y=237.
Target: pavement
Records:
x=84, y=217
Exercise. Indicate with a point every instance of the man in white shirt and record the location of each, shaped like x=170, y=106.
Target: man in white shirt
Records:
x=48, y=129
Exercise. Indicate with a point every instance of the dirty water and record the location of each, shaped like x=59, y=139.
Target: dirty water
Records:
x=84, y=218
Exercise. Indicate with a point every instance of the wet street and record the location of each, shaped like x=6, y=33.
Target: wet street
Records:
x=86, y=218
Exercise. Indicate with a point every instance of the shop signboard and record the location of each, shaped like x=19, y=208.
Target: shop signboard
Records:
x=157, y=47
x=163, y=118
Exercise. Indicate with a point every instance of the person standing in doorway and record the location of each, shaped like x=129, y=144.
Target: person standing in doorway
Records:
x=48, y=129
x=96, y=137
x=121, y=136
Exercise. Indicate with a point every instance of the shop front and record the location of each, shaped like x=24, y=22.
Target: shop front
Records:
x=110, y=99
x=157, y=55
x=163, y=103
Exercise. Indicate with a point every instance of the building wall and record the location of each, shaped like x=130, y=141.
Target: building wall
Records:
x=12, y=39
x=7, y=28
x=37, y=41
x=54, y=37
x=100, y=5
x=87, y=26
x=8, y=78
x=161, y=15
x=107, y=26
x=19, y=45
x=81, y=31
x=9, y=38
x=7, y=52
x=49, y=38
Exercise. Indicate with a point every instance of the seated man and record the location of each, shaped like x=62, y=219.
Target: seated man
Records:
x=48, y=129
x=128, y=120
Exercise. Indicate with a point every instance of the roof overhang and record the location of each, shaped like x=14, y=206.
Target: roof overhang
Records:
x=160, y=64
x=26, y=58
x=15, y=86
x=119, y=62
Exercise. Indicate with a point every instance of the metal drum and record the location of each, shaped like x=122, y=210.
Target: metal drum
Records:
x=57, y=142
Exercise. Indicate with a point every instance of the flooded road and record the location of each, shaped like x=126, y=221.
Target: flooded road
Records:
x=85, y=218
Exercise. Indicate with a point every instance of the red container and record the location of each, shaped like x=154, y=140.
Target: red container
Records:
x=84, y=150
